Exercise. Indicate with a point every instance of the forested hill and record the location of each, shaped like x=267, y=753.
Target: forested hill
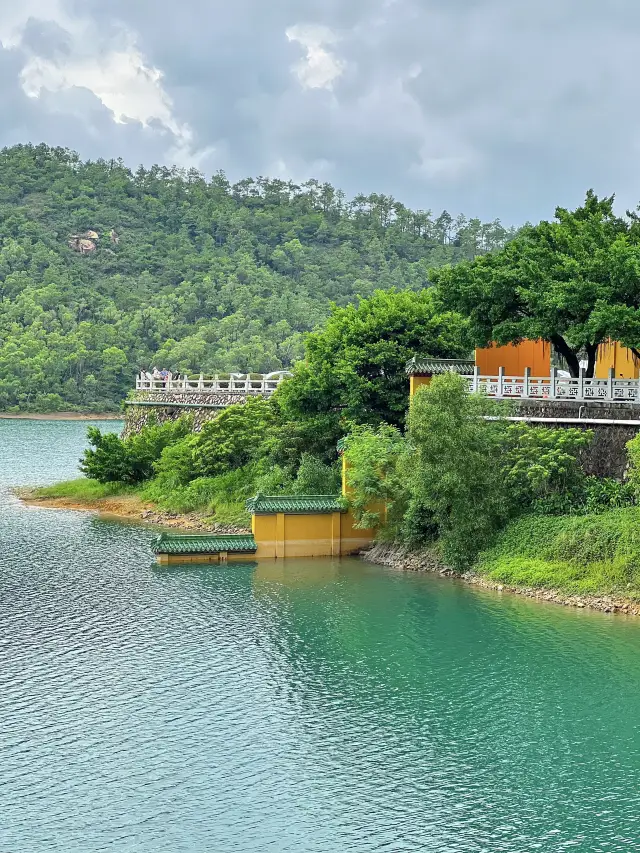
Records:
x=104, y=270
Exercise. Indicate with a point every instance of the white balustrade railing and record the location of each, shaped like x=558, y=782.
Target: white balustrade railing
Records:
x=556, y=387
x=235, y=383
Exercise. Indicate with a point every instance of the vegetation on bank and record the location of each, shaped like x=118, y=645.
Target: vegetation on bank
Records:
x=503, y=499
x=81, y=490
x=579, y=555
x=247, y=449
x=186, y=273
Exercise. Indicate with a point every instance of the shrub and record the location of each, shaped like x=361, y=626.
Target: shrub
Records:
x=314, y=477
x=112, y=459
x=376, y=478
x=455, y=472
x=239, y=435
x=633, y=452
x=542, y=465
x=462, y=472
x=175, y=467
x=603, y=493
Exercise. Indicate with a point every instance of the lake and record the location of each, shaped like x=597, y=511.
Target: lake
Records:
x=325, y=706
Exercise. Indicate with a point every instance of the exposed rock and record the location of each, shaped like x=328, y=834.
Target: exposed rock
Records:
x=82, y=244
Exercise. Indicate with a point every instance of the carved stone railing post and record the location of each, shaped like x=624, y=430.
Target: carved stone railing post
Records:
x=527, y=377
x=612, y=376
x=554, y=383
x=500, y=381
x=581, y=384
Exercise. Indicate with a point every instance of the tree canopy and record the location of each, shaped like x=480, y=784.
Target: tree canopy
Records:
x=187, y=273
x=574, y=282
x=355, y=365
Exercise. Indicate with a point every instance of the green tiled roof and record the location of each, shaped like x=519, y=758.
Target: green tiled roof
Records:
x=295, y=503
x=434, y=366
x=170, y=543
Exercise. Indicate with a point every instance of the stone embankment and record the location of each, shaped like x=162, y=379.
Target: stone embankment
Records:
x=163, y=406
x=402, y=558
x=606, y=456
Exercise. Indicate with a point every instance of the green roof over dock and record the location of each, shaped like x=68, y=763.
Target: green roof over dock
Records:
x=295, y=504
x=170, y=543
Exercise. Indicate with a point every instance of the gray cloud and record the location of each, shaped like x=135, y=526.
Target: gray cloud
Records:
x=489, y=107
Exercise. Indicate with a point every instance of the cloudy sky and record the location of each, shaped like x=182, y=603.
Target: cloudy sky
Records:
x=495, y=108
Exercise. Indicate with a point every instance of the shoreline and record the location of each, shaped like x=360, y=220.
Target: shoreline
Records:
x=403, y=559
x=129, y=509
x=59, y=416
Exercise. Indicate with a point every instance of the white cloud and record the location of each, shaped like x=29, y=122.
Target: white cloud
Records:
x=14, y=17
x=320, y=67
x=113, y=68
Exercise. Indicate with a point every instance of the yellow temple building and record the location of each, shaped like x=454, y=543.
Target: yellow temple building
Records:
x=613, y=355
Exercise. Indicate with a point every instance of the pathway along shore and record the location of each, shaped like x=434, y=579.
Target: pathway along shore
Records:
x=398, y=557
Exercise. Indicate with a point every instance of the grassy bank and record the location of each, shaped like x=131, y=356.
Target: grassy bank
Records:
x=82, y=490
x=578, y=555
x=188, y=508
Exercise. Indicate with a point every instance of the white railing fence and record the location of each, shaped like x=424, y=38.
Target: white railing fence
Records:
x=555, y=387
x=237, y=383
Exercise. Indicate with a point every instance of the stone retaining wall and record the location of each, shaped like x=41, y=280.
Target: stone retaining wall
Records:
x=137, y=417
x=607, y=454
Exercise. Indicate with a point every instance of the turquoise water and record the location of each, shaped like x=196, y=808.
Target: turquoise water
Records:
x=314, y=706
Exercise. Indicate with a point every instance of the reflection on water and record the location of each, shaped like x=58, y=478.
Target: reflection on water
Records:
x=308, y=706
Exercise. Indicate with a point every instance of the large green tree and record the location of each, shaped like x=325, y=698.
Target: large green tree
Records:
x=574, y=282
x=355, y=366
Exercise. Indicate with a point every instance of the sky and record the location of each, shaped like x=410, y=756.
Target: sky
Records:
x=491, y=108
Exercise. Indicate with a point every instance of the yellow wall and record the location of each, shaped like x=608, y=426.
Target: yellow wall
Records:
x=281, y=535
x=353, y=539
x=416, y=382
x=612, y=354
x=536, y=355
x=346, y=489
x=264, y=532
x=170, y=559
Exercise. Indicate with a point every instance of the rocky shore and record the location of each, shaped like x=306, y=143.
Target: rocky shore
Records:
x=402, y=558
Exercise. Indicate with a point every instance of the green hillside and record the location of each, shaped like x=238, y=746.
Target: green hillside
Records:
x=186, y=273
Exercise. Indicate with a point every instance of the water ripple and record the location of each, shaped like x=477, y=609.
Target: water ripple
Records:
x=319, y=706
